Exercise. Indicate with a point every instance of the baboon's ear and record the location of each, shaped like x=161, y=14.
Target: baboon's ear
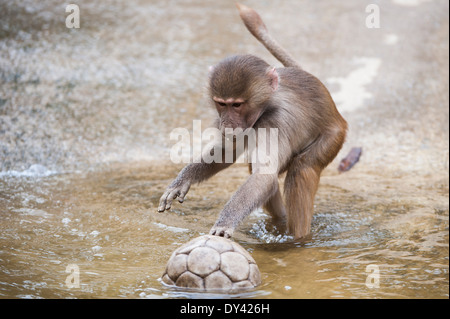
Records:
x=273, y=78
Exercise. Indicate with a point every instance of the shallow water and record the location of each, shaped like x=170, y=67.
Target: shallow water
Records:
x=85, y=118
x=105, y=222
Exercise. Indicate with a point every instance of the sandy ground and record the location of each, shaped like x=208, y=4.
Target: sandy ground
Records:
x=113, y=89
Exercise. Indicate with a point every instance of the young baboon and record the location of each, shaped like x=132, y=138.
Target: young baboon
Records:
x=249, y=93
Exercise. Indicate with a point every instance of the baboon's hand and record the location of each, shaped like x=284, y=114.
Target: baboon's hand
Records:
x=176, y=189
x=225, y=232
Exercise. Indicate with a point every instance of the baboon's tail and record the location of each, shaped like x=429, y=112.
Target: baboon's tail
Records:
x=256, y=26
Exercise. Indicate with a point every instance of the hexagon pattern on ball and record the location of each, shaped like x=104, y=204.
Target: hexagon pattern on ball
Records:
x=212, y=263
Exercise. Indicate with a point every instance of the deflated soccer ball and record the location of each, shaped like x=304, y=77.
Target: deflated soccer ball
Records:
x=212, y=263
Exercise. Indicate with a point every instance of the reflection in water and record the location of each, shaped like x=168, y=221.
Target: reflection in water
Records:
x=85, y=117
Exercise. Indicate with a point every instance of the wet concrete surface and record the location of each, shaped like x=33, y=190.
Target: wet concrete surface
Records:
x=85, y=120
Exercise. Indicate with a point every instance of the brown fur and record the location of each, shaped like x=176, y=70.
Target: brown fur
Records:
x=247, y=92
